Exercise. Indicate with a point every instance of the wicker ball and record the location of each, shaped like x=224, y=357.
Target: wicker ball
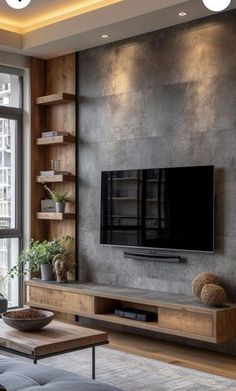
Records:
x=213, y=295
x=201, y=280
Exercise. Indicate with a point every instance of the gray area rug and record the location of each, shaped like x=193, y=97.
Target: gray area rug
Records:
x=135, y=373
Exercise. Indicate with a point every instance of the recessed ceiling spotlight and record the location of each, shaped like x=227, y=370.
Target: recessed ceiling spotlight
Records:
x=216, y=5
x=182, y=13
x=105, y=36
x=18, y=4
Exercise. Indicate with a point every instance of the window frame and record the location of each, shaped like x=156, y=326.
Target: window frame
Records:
x=16, y=114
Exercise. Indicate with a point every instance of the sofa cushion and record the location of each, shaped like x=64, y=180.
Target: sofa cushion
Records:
x=16, y=375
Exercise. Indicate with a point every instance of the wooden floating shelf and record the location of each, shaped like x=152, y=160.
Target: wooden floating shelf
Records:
x=55, y=99
x=55, y=178
x=55, y=216
x=55, y=140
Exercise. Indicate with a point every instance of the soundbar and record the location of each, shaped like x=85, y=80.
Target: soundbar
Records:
x=170, y=258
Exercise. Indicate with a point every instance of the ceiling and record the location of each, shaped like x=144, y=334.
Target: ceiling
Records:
x=47, y=29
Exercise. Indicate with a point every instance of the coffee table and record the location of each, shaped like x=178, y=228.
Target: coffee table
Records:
x=56, y=338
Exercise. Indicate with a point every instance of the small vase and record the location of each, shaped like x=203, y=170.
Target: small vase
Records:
x=71, y=274
x=60, y=207
x=47, y=272
x=3, y=304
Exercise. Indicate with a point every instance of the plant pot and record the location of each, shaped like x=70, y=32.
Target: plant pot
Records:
x=47, y=272
x=60, y=207
x=3, y=304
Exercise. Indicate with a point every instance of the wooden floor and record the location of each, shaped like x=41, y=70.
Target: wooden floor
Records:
x=177, y=354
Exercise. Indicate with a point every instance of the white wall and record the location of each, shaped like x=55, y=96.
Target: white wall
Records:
x=15, y=60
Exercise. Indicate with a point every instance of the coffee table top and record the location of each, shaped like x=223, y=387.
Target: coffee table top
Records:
x=55, y=338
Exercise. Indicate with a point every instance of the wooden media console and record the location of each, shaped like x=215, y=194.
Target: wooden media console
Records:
x=179, y=315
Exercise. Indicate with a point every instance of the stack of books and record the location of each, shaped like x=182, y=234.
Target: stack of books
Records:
x=54, y=133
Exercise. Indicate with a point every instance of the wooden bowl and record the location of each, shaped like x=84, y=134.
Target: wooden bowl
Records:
x=27, y=320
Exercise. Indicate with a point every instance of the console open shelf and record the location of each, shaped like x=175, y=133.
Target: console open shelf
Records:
x=178, y=315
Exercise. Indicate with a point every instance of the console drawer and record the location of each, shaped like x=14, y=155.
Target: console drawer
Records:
x=64, y=301
x=186, y=321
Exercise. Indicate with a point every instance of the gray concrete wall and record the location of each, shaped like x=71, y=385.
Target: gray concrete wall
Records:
x=164, y=99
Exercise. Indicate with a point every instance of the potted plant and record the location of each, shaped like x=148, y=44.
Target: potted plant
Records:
x=3, y=300
x=59, y=198
x=40, y=254
x=12, y=273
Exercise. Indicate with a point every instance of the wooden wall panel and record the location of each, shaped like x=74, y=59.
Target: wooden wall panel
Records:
x=50, y=77
x=38, y=155
x=61, y=78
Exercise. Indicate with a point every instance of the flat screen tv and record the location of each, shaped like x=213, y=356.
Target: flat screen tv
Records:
x=161, y=208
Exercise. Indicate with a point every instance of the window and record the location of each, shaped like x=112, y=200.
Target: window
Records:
x=10, y=88
x=10, y=173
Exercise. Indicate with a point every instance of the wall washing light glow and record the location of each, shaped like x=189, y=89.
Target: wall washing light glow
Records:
x=216, y=5
x=18, y=4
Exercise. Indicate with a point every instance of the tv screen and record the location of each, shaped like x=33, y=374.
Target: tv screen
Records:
x=162, y=208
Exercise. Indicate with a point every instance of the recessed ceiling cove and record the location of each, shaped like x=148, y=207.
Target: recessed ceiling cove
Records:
x=40, y=13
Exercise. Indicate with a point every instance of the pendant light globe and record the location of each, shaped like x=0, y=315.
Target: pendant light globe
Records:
x=18, y=4
x=216, y=5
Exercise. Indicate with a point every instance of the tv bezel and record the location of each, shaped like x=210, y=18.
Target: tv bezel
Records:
x=154, y=250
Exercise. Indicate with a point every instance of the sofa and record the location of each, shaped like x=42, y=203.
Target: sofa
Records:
x=20, y=375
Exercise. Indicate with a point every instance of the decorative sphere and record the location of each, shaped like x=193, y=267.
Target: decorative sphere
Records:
x=201, y=280
x=213, y=295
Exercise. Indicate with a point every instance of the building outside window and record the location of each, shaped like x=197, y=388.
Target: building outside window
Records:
x=11, y=111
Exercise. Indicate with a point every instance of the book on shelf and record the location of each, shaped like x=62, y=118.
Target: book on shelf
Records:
x=54, y=133
x=53, y=172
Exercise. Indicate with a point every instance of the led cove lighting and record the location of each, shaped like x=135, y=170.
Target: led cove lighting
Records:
x=18, y=4
x=216, y=5
x=105, y=36
x=182, y=13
